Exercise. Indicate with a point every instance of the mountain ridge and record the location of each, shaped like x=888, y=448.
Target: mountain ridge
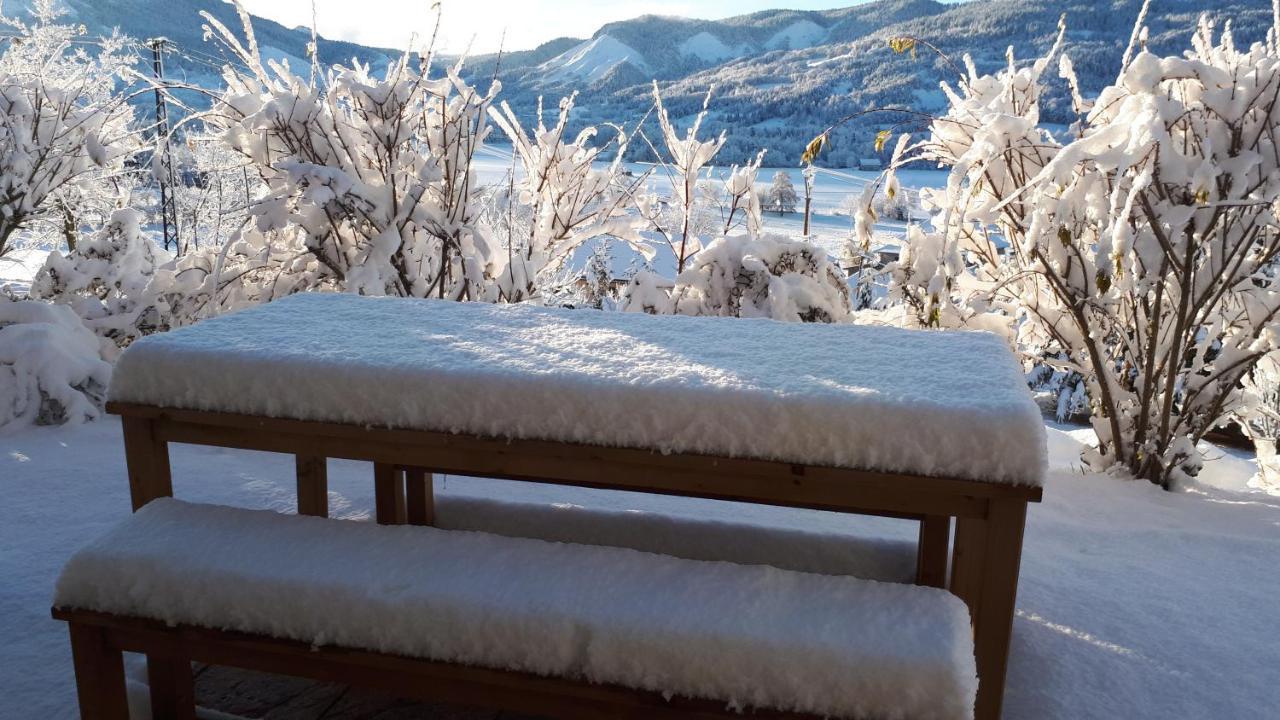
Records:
x=779, y=76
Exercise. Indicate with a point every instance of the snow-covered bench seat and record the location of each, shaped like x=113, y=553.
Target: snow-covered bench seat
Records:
x=571, y=628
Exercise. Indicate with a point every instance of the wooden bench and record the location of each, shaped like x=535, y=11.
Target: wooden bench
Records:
x=475, y=390
x=525, y=625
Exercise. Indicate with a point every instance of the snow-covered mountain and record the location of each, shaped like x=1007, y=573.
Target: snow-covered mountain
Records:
x=193, y=59
x=780, y=76
x=592, y=60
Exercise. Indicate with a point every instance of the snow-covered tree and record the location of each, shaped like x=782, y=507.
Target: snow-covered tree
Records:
x=1138, y=251
x=781, y=196
x=216, y=188
x=371, y=177
x=596, y=283
x=64, y=126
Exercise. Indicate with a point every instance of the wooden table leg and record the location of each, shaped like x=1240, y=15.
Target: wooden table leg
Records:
x=388, y=491
x=147, y=457
x=419, y=497
x=932, y=551
x=100, y=685
x=173, y=694
x=984, y=573
x=313, y=485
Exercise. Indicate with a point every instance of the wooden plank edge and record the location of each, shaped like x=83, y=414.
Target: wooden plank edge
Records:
x=406, y=676
x=742, y=466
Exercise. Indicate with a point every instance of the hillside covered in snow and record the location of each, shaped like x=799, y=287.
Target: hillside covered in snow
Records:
x=193, y=60
x=780, y=76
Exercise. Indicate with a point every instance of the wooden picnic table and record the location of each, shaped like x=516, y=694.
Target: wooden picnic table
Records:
x=171, y=389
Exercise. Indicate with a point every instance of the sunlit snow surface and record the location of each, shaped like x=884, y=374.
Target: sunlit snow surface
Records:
x=1133, y=602
x=950, y=404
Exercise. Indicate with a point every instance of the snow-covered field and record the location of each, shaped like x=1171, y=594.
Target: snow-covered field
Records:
x=830, y=224
x=1133, y=603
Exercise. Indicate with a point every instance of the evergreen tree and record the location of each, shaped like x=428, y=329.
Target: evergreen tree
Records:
x=782, y=194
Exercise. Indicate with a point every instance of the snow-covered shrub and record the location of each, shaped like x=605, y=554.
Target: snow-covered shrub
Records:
x=767, y=276
x=64, y=127
x=647, y=292
x=897, y=205
x=1060, y=393
x=103, y=278
x=569, y=200
x=1135, y=250
x=1260, y=419
x=51, y=367
x=370, y=176
x=251, y=268
x=740, y=190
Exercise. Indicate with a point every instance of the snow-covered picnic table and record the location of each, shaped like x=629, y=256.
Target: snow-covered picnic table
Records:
x=923, y=425
x=871, y=398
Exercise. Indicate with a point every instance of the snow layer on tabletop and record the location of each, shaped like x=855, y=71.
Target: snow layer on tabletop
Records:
x=749, y=635
x=934, y=403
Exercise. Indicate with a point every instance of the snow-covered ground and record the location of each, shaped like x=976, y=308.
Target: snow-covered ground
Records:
x=1133, y=603
x=830, y=224
x=19, y=266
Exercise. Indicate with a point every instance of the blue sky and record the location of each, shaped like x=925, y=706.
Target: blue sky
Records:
x=480, y=23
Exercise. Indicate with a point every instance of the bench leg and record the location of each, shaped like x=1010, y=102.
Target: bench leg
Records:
x=173, y=694
x=147, y=457
x=313, y=485
x=984, y=573
x=100, y=685
x=388, y=494
x=419, y=494
x=931, y=551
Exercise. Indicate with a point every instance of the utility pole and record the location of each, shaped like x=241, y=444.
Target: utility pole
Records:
x=809, y=172
x=162, y=167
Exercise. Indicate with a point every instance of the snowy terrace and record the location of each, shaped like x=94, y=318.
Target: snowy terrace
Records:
x=1133, y=602
x=1097, y=552
x=1085, y=642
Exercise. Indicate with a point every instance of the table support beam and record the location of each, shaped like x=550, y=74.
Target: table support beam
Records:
x=100, y=685
x=419, y=493
x=932, y=551
x=173, y=694
x=388, y=491
x=313, y=485
x=147, y=457
x=984, y=573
